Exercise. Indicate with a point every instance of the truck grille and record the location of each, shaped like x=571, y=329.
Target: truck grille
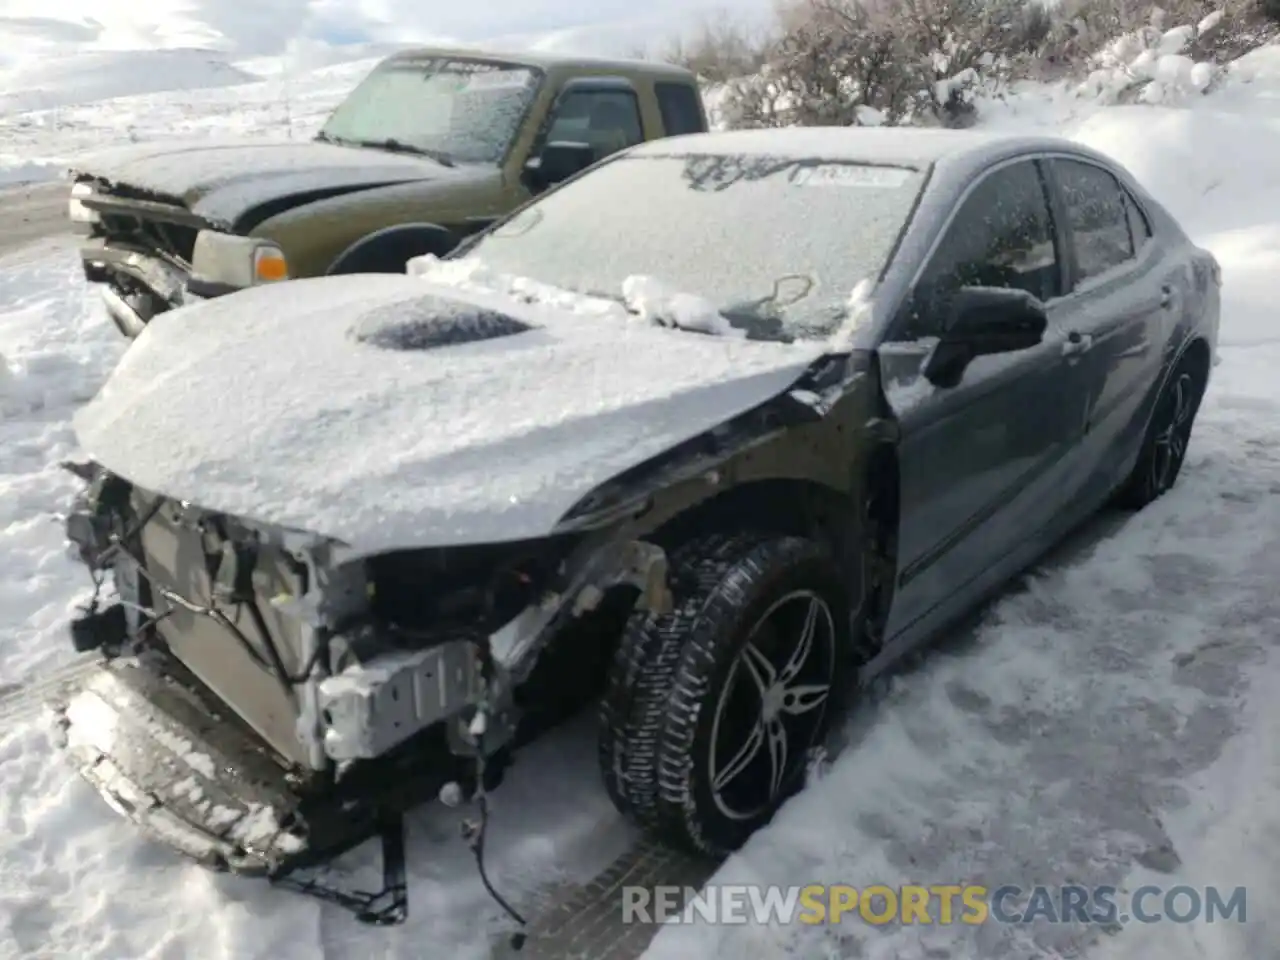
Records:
x=175, y=240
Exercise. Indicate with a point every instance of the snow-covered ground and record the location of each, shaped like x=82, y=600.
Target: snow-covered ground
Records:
x=1111, y=723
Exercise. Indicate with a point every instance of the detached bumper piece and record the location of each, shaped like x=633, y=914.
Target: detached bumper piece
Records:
x=136, y=285
x=175, y=767
x=167, y=756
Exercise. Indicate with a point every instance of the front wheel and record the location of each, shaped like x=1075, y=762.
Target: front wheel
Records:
x=712, y=710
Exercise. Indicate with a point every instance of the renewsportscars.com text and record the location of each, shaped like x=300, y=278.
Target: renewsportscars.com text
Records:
x=940, y=904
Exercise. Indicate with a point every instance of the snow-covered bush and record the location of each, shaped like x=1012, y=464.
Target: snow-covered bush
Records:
x=861, y=62
x=1082, y=29
x=1153, y=65
x=881, y=61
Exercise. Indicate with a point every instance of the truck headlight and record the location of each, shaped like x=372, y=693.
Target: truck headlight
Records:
x=76, y=209
x=228, y=260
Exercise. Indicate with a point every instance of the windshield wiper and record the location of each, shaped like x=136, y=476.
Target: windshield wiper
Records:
x=391, y=145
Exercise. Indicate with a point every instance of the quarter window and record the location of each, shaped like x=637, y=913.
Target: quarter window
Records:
x=1002, y=236
x=1098, y=216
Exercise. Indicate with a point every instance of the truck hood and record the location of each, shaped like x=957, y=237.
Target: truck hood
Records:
x=390, y=412
x=222, y=180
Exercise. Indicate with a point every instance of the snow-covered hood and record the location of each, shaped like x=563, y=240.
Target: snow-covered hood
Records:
x=222, y=179
x=387, y=411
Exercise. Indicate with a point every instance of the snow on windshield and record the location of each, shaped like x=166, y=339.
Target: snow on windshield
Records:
x=640, y=298
x=773, y=245
x=467, y=109
x=650, y=300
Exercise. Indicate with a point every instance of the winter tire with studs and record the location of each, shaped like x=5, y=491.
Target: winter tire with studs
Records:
x=712, y=710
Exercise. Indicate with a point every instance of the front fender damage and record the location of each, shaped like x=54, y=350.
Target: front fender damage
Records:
x=468, y=682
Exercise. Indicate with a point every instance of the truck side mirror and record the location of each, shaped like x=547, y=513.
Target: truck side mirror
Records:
x=559, y=160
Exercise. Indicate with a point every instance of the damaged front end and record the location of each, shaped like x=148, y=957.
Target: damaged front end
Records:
x=269, y=699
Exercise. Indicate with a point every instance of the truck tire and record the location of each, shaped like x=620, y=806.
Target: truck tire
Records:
x=389, y=249
x=711, y=710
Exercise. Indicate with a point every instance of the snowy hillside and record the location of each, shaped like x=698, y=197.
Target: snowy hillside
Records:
x=103, y=75
x=35, y=145
x=1111, y=723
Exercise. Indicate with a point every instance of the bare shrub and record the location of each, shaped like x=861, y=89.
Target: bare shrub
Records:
x=851, y=62
x=881, y=61
x=718, y=50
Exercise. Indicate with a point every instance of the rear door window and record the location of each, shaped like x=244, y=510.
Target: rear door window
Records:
x=1098, y=216
x=681, y=108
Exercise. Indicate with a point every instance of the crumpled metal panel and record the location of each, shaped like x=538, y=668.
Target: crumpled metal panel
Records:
x=190, y=777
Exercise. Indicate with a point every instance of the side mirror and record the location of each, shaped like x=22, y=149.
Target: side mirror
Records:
x=985, y=321
x=559, y=161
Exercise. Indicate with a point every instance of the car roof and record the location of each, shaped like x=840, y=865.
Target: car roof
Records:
x=913, y=147
x=550, y=61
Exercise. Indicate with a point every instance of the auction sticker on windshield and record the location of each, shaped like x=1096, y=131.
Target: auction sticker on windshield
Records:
x=850, y=175
x=498, y=80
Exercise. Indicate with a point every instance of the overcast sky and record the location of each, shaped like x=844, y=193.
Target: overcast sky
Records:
x=265, y=27
x=478, y=20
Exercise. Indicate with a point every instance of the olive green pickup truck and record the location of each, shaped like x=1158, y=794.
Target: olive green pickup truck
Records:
x=432, y=146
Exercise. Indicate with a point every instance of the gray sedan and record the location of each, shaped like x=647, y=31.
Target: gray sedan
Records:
x=698, y=433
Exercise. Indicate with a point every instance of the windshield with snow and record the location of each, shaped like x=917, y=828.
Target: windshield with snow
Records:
x=459, y=110
x=776, y=245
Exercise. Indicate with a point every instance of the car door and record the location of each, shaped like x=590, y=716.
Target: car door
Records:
x=981, y=463
x=1123, y=300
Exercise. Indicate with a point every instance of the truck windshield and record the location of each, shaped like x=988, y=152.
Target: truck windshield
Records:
x=459, y=110
x=777, y=245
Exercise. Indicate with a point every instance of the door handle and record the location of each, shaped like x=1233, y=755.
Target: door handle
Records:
x=1077, y=343
x=1166, y=296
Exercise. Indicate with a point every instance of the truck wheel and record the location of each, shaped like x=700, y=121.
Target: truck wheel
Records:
x=711, y=711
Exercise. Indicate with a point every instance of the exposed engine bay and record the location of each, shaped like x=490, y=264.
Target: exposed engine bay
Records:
x=269, y=700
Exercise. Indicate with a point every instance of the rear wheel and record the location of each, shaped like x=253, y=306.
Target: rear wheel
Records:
x=712, y=710
x=1164, y=448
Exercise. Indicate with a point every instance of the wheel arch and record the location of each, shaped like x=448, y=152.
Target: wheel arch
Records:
x=388, y=249
x=861, y=536
x=774, y=505
x=1196, y=352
